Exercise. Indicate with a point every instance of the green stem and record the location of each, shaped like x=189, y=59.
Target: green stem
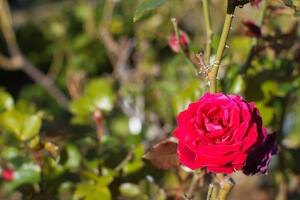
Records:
x=210, y=191
x=209, y=32
x=192, y=65
x=212, y=76
x=226, y=184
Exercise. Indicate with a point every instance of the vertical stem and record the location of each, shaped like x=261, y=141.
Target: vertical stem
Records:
x=210, y=191
x=226, y=184
x=193, y=66
x=209, y=32
x=212, y=76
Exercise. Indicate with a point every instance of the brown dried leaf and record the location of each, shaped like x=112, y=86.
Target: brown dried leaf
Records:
x=163, y=155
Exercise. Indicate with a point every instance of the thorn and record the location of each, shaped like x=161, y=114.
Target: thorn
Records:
x=231, y=28
x=226, y=46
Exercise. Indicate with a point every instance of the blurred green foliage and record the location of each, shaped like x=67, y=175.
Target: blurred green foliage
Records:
x=126, y=88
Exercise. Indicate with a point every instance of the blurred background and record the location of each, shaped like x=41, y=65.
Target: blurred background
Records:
x=85, y=93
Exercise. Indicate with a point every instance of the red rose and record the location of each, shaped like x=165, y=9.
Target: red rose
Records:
x=218, y=132
x=7, y=174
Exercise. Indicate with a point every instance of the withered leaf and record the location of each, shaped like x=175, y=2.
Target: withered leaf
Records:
x=163, y=154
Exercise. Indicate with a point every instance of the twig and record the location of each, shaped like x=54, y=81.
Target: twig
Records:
x=18, y=61
x=127, y=159
x=46, y=83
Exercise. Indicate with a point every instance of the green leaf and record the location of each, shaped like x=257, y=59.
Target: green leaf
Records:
x=104, y=180
x=29, y=173
x=147, y=5
x=6, y=101
x=99, y=192
x=31, y=125
x=266, y=112
x=237, y=86
x=163, y=155
x=101, y=93
x=191, y=94
x=12, y=121
x=161, y=195
x=83, y=188
x=133, y=166
x=24, y=127
x=129, y=190
x=74, y=157
x=81, y=106
x=149, y=188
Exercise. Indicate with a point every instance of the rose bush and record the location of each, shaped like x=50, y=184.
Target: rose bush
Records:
x=218, y=132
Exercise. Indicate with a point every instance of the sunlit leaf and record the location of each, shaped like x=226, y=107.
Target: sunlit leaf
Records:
x=163, y=155
x=28, y=174
x=161, y=195
x=267, y=113
x=83, y=188
x=81, y=106
x=101, y=93
x=237, y=86
x=74, y=157
x=6, y=101
x=12, y=121
x=148, y=187
x=31, y=126
x=133, y=166
x=52, y=148
x=145, y=6
x=104, y=180
x=97, y=193
x=190, y=94
x=129, y=190
x=34, y=141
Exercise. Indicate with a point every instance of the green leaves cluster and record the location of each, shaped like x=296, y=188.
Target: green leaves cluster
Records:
x=24, y=126
x=98, y=94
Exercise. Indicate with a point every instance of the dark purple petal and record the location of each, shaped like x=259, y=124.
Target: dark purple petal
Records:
x=259, y=158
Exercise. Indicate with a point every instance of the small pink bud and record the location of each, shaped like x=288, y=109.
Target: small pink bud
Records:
x=253, y=29
x=7, y=174
x=256, y=3
x=184, y=40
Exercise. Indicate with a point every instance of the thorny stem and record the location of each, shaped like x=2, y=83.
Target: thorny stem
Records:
x=225, y=187
x=226, y=184
x=212, y=76
x=192, y=65
x=209, y=32
x=210, y=191
x=198, y=174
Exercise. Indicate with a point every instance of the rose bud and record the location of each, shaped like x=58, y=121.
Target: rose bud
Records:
x=184, y=40
x=253, y=29
x=7, y=174
x=259, y=158
x=218, y=132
